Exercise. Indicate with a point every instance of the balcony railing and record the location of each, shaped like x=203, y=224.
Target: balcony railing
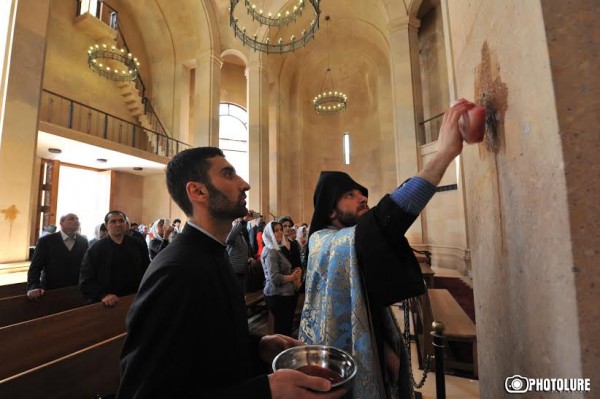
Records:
x=62, y=111
x=105, y=13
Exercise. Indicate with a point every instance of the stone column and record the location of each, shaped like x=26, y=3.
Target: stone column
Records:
x=460, y=175
x=408, y=102
x=207, y=97
x=258, y=134
x=18, y=126
x=274, y=149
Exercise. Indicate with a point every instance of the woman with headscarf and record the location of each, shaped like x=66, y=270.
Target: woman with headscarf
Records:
x=99, y=233
x=160, y=237
x=280, y=280
x=289, y=246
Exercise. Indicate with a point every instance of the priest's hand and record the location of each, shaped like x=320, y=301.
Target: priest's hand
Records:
x=292, y=384
x=271, y=345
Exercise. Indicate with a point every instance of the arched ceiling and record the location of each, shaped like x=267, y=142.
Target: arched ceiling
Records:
x=181, y=31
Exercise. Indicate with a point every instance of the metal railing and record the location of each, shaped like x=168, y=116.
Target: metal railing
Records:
x=65, y=112
x=429, y=129
x=105, y=13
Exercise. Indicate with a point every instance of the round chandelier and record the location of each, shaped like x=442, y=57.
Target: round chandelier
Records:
x=279, y=20
x=329, y=101
x=113, y=63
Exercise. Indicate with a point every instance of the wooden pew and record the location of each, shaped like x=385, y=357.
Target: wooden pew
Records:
x=254, y=302
x=32, y=343
x=19, y=308
x=15, y=289
x=440, y=305
x=86, y=373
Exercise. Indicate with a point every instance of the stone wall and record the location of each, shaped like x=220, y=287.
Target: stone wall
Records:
x=516, y=197
x=233, y=84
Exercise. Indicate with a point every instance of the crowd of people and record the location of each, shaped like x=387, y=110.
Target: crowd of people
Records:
x=187, y=329
x=106, y=267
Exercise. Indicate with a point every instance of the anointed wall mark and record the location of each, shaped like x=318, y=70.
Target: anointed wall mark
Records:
x=492, y=93
x=10, y=215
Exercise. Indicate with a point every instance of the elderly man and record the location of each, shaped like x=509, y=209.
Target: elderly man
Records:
x=57, y=258
x=114, y=266
x=360, y=262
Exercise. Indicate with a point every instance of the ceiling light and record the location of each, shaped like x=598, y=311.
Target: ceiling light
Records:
x=125, y=66
x=279, y=20
x=329, y=101
x=138, y=168
x=101, y=160
x=55, y=150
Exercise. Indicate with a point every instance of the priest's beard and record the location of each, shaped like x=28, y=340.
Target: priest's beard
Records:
x=346, y=219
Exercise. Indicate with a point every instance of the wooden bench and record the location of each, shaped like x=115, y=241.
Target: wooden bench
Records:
x=32, y=343
x=254, y=302
x=89, y=373
x=15, y=289
x=19, y=308
x=459, y=327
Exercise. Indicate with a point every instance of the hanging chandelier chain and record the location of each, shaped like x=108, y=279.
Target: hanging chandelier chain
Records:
x=329, y=101
x=323, y=82
x=328, y=44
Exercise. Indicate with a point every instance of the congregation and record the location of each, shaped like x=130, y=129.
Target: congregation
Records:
x=112, y=263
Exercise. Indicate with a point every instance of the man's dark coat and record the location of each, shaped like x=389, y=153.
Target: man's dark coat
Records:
x=187, y=330
x=53, y=265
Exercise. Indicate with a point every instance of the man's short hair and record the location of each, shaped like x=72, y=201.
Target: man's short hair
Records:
x=189, y=165
x=176, y=221
x=115, y=211
x=63, y=217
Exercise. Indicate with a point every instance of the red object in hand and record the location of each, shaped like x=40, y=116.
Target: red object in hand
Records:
x=472, y=125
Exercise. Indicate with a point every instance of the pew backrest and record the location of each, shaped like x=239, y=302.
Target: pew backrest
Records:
x=89, y=373
x=28, y=344
x=15, y=289
x=19, y=308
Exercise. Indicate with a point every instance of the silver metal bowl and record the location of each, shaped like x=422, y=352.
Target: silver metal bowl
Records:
x=327, y=357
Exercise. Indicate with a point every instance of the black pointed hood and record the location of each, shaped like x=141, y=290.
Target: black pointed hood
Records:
x=330, y=187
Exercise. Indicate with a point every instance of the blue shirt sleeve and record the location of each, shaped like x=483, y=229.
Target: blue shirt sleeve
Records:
x=413, y=195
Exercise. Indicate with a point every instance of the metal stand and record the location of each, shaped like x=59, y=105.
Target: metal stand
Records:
x=438, y=343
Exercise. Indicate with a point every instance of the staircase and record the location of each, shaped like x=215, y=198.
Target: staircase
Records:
x=155, y=137
x=135, y=104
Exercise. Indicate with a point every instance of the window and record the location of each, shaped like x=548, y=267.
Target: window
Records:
x=346, y=148
x=90, y=6
x=85, y=193
x=233, y=137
